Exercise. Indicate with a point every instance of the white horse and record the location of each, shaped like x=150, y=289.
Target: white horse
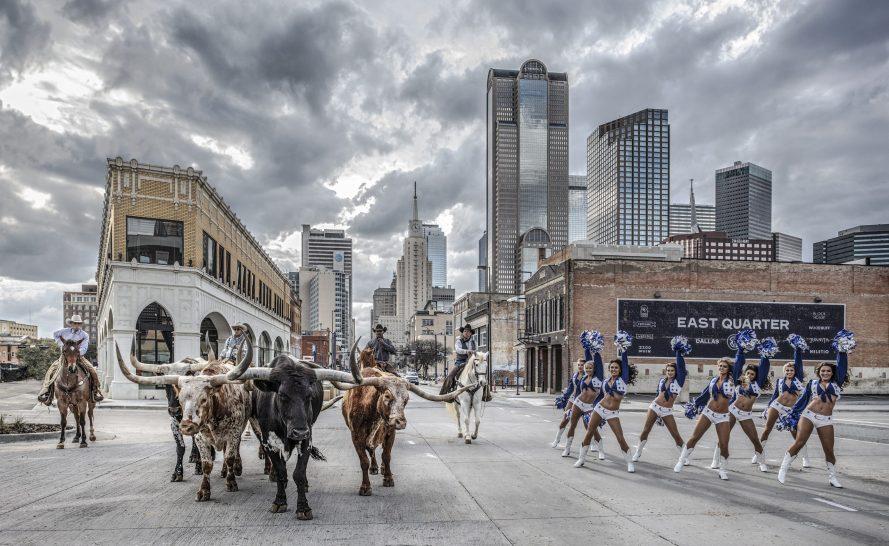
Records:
x=474, y=376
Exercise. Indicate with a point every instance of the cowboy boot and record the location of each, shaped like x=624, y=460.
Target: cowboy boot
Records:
x=631, y=466
x=46, y=396
x=567, y=452
x=785, y=464
x=806, y=462
x=639, y=448
x=761, y=459
x=600, y=447
x=832, y=476
x=684, y=456
x=754, y=461
x=723, y=463
x=582, y=458
x=558, y=439
x=715, y=462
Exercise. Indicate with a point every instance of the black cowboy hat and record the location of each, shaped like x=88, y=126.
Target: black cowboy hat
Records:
x=467, y=327
x=380, y=328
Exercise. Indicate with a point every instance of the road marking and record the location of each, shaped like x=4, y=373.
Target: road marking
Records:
x=865, y=423
x=526, y=415
x=547, y=421
x=431, y=455
x=411, y=442
x=846, y=508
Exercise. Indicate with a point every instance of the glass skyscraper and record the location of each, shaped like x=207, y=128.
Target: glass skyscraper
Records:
x=437, y=253
x=744, y=201
x=576, y=207
x=527, y=171
x=628, y=180
x=867, y=244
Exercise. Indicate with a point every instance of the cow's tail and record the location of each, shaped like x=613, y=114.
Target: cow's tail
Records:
x=316, y=454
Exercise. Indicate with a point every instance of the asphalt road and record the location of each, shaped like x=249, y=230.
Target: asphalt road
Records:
x=507, y=487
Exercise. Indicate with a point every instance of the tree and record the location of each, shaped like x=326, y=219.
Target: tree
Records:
x=37, y=355
x=426, y=355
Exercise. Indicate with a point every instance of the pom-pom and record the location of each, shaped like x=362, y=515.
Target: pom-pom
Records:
x=680, y=345
x=798, y=343
x=788, y=422
x=561, y=402
x=592, y=341
x=844, y=341
x=746, y=339
x=622, y=340
x=690, y=410
x=768, y=347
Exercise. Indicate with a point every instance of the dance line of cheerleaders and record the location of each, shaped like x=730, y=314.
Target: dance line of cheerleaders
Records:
x=797, y=407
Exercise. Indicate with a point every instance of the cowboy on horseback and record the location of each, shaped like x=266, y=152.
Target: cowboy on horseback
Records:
x=74, y=332
x=464, y=347
x=382, y=348
x=233, y=344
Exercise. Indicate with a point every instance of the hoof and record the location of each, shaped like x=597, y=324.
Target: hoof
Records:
x=83, y=444
x=92, y=437
x=177, y=477
x=203, y=495
x=238, y=470
x=459, y=435
x=374, y=471
x=365, y=491
x=388, y=482
x=474, y=436
x=468, y=440
x=272, y=477
x=278, y=508
x=231, y=487
x=197, y=471
x=60, y=445
x=304, y=515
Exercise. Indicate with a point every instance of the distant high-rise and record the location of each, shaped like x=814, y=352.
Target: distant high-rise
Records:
x=684, y=216
x=331, y=249
x=744, y=201
x=787, y=248
x=628, y=180
x=866, y=244
x=437, y=252
x=527, y=171
x=414, y=270
x=483, y=263
x=384, y=302
x=577, y=206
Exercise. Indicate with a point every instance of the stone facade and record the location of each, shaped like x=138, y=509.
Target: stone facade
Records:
x=496, y=319
x=13, y=328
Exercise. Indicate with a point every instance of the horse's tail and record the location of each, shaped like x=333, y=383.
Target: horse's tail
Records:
x=452, y=409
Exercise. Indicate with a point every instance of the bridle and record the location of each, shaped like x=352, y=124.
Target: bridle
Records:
x=478, y=384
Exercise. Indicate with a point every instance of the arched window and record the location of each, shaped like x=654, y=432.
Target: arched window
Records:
x=265, y=349
x=209, y=331
x=154, y=335
x=279, y=346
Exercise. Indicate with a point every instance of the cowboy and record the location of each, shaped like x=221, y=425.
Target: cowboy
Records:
x=73, y=332
x=232, y=346
x=382, y=348
x=464, y=347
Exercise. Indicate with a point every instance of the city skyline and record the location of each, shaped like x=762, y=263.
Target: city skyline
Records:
x=378, y=100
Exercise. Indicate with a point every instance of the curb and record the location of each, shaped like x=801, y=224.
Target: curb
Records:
x=30, y=436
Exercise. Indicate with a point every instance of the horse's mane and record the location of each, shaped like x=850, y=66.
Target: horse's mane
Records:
x=366, y=358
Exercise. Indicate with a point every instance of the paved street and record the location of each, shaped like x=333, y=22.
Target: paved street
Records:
x=508, y=487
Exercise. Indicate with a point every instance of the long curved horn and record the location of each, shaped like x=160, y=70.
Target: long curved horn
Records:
x=435, y=397
x=344, y=386
x=335, y=375
x=153, y=368
x=211, y=354
x=156, y=380
x=353, y=366
x=242, y=366
x=329, y=404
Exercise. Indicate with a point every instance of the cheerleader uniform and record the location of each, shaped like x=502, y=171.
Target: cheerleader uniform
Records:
x=715, y=389
x=669, y=388
x=566, y=400
x=616, y=387
x=752, y=390
x=593, y=383
x=795, y=387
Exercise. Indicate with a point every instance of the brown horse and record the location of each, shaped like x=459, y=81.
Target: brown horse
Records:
x=72, y=388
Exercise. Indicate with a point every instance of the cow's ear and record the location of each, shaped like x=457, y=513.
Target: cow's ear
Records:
x=266, y=386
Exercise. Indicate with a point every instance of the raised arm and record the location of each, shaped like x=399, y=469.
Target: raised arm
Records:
x=762, y=371
x=738, y=367
x=388, y=347
x=624, y=367
x=681, y=372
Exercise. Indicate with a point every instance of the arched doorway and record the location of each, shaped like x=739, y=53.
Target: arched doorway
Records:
x=265, y=349
x=217, y=329
x=279, y=346
x=154, y=331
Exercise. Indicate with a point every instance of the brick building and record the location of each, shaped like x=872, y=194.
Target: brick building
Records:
x=175, y=264
x=83, y=302
x=316, y=345
x=584, y=287
x=716, y=245
x=497, y=320
x=19, y=329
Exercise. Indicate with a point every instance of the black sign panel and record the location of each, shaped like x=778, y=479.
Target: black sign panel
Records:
x=710, y=326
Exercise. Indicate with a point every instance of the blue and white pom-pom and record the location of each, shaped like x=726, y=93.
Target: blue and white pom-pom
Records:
x=768, y=347
x=746, y=339
x=680, y=344
x=594, y=341
x=622, y=340
x=691, y=410
x=798, y=343
x=561, y=402
x=788, y=422
x=844, y=341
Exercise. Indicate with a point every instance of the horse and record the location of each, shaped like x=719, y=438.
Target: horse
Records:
x=474, y=375
x=72, y=388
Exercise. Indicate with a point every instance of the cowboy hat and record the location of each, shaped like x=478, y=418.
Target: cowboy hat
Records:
x=239, y=325
x=380, y=328
x=467, y=327
x=75, y=319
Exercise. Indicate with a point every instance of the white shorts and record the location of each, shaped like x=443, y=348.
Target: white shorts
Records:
x=818, y=420
x=780, y=408
x=606, y=414
x=739, y=414
x=660, y=411
x=714, y=417
x=584, y=407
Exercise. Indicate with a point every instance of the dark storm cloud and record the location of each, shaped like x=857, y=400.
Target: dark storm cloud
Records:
x=444, y=95
x=90, y=11
x=23, y=38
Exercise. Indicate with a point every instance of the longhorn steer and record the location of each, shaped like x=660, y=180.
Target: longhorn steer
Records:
x=214, y=411
x=284, y=407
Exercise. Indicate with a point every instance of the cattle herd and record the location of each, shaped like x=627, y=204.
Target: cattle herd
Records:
x=213, y=401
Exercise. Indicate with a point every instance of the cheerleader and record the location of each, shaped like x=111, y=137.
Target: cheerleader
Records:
x=716, y=397
x=661, y=408
x=590, y=385
x=748, y=386
x=566, y=401
x=607, y=409
x=787, y=391
x=814, y=408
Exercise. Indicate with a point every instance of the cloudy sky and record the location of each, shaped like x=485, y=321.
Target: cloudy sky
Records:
x=324, y=112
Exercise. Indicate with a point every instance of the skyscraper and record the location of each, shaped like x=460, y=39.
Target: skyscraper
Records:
x=576, y=207
x=527, y=171
x=684, y=216
x=414, y=270
x=744, y=201
x=437, y=252
x=331, y=249
x=384, y=302
x=628, y=180
x=867, y=244
x=483, y=263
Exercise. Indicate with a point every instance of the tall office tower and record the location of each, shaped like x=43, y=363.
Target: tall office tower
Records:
x=414, y=270
x=867, y=244
x=384, y=302
x=437, y=250
x=483, y=263
x=527, y=171
x=744, y=201
x=787, y=248
x=330, y=248
x=684, y=216
x=628, y=180
x=576, y=207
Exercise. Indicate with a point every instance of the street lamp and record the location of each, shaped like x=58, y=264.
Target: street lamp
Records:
x=517, y=299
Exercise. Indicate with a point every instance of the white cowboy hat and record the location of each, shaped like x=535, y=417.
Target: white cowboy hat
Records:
x=75, y=319
x=240, y=325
